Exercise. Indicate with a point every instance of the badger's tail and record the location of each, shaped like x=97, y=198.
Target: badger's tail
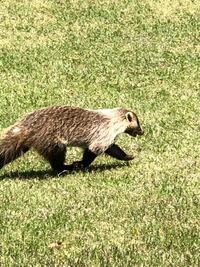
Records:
x=12, y=144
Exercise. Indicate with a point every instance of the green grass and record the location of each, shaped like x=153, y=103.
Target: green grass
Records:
x=143, y=55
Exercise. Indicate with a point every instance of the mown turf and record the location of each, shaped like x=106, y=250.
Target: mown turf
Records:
x=143, y=55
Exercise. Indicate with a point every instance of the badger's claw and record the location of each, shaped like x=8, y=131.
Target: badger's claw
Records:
x=129, y=157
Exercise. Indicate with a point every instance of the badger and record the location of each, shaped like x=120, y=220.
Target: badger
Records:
x=51, y=130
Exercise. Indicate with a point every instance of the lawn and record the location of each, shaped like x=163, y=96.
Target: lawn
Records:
x=142, y=55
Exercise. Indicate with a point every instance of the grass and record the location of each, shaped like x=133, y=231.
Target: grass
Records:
x=143, y=55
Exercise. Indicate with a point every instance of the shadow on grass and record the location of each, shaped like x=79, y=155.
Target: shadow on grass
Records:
x=46, y=174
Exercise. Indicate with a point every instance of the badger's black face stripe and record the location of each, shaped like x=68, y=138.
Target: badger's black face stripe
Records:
x=138, y=122
x=139, y=130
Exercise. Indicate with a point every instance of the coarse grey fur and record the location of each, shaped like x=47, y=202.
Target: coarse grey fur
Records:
x=50, y=130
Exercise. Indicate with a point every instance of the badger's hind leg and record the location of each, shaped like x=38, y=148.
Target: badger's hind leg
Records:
x=116, y=152
x=55, y=155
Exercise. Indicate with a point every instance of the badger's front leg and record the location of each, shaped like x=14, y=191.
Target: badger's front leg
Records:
x=88, y=158
x=116, y=152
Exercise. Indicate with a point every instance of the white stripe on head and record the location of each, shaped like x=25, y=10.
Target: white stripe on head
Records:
x=108, y=112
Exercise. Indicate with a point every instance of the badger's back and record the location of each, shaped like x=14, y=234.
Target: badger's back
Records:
x=70, y=125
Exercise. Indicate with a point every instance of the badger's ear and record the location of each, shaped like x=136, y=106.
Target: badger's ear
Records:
x=129, y=116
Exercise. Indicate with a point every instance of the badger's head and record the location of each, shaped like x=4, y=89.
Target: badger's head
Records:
x=133, y=125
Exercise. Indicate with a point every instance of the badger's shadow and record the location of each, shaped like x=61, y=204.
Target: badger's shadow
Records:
x=47, y=174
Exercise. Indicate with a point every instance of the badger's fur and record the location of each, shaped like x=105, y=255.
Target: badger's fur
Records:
x=50, y=130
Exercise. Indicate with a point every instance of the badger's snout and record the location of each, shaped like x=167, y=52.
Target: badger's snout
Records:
x=140, y=132
x=135, y=132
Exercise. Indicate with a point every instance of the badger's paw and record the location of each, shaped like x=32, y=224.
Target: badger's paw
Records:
x=77, y=165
